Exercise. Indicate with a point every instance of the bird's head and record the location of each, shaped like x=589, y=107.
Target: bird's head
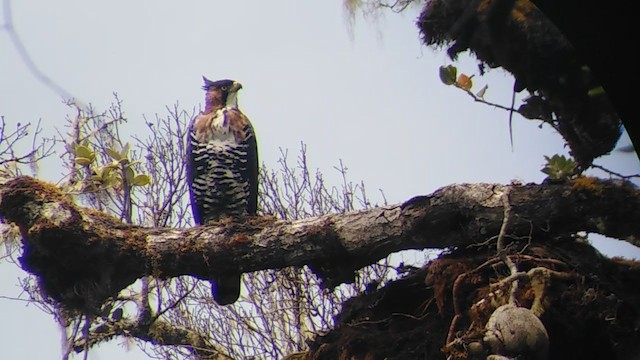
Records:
x=222, y=92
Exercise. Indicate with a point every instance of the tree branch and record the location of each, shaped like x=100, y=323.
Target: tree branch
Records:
x=82, y=256
x=159, y=332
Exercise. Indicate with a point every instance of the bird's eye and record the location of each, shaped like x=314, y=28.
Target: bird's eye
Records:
x=224, y=88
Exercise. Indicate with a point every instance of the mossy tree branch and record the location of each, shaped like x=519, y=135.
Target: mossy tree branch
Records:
x=82, y=256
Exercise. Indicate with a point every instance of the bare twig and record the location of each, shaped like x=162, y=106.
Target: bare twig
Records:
x=513, y=102
x=9, y=27
x=510, y=109
x=616, y=174
x=40, y=149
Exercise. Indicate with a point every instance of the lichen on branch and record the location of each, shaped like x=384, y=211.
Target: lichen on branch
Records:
x=82, y=257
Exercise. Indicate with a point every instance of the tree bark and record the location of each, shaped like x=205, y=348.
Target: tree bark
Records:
x=82, y=256
x=597, y=30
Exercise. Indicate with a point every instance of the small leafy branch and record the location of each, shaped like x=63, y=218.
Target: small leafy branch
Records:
x=533, y=107
x=117, y=174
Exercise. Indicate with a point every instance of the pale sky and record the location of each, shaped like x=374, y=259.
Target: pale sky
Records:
x=372, y=98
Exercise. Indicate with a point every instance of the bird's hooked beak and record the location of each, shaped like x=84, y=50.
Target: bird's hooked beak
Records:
x=232, y=95
x=236, y=86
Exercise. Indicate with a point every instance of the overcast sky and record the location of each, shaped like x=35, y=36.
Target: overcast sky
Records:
x=371, y=98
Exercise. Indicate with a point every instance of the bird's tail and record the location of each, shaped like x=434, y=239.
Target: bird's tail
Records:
x=226, y=289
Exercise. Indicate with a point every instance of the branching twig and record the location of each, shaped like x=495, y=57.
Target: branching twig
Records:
x=8, y=142
x=483, y=101
x=613, y=173
x=510, y=109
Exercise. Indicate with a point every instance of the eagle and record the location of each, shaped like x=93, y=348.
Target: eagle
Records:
x=222, y=168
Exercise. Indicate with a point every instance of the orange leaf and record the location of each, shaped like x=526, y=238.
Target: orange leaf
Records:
x=464, y=82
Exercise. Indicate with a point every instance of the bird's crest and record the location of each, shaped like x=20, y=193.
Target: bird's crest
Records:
x=219, y=84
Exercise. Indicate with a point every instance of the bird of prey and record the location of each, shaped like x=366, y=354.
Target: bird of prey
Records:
x=222, y=168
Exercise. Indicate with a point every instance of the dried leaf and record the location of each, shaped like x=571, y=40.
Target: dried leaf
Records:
x=464, y=82
x=482, y=91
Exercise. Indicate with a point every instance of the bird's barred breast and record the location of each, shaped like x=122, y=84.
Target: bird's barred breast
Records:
x=218, y=184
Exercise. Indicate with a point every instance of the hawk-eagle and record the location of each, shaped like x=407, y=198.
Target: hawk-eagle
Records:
x=222, y=168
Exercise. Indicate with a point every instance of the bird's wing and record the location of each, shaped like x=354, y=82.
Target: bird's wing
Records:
x=252, y=172
x=191, y=171
x=247, y=136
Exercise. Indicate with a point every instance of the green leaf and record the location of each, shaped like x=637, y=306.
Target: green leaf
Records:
x=82, y=151
x=106, y=170
x=97, y=178
x=102, y=173
x=536, y=108
x=596, y=91
x=448, y=74
x=125, y=151
x=83, y=161
x=98, y=173
x=558, y=167
x=115, y=155
x=141, y=180
x=129, y=175
x=112, y=181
